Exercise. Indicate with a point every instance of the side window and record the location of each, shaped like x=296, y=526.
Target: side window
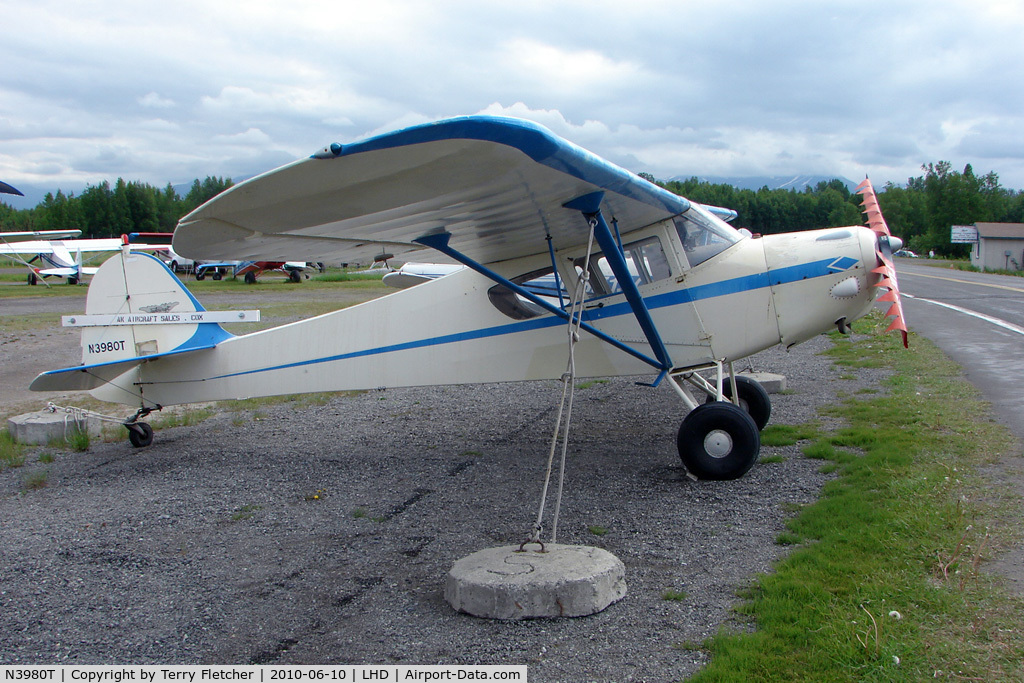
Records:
x=540, y=283
x=703, y=235
x=645, y=260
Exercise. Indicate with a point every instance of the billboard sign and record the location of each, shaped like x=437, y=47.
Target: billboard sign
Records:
x=963, y=234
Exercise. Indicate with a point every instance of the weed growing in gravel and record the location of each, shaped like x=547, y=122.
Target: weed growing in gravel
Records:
x=245, y=512
x=79, y=440
x=186, y=417
x=597, y=530
x=885, y=583
x=672, y=595
x=36, y=480
x=12, y=453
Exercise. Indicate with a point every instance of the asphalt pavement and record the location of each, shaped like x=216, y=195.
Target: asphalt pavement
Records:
x=977, y=319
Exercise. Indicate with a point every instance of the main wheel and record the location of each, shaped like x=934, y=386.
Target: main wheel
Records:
x=718, y=440
x=753, y=399
x=294, y=276
x=174, y=266
x=200, y=275
x=250, y=278
x=140, y=434
x=217, y=275
x=32, y=279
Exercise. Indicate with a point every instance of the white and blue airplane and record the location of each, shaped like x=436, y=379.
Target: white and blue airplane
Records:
x=548, y=234
x=56, y=253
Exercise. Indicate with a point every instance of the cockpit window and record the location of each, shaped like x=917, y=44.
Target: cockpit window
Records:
x=703, y=235
x=645, y=260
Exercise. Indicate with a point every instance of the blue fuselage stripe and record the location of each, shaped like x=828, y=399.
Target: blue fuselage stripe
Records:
x=693, y=294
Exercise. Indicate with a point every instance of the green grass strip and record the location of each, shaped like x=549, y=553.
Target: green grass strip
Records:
x=884, y=582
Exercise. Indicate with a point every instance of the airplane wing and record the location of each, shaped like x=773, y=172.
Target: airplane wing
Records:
x=38, y=235
x=498, y=185
x=63, y=247
x=10, y=189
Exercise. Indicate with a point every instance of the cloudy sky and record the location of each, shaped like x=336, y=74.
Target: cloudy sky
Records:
x=160, y=91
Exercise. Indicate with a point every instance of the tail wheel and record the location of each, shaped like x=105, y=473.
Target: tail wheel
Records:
x=752, y=398
x=140, y=434
x=718, y=440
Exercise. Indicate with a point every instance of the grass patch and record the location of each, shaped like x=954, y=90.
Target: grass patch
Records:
x=245, y=512
x=885, y=584
x=186, y=416
x=12, y=453
x=35, y=480
x=787, y=435
x=79, y=440
x=672, y=595
x=597, y=530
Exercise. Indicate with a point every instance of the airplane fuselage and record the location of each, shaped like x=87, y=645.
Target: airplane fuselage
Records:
x=750, y=295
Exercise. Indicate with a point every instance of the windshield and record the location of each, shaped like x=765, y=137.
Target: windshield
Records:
x=704, y=235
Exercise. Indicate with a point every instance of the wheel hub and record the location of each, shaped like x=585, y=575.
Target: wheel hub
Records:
x=718, y=443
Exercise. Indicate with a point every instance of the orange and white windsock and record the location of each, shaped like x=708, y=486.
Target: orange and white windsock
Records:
x=886, y=270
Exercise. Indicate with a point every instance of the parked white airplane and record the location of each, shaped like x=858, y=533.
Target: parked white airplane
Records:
x=535, y=220
x=60, y=252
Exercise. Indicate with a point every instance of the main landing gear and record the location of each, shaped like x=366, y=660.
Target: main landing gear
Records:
x=721, y=439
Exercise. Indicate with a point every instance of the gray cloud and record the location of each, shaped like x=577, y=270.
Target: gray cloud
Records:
x=167, y=93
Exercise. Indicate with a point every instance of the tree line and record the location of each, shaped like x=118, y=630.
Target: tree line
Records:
x=105, y=211
x=920, y=212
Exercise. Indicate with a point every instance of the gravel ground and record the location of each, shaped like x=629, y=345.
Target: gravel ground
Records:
x=322, y=534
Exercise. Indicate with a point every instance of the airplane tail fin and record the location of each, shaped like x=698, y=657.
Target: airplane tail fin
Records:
x=136, y=311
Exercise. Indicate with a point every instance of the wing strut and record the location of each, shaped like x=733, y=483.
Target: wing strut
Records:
x=590, y=206
x=439, y=242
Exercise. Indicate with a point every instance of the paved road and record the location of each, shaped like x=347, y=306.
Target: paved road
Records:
x=977, y=319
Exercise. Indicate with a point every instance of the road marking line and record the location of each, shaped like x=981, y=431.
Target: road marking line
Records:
x=981, y=316
x=963, y=282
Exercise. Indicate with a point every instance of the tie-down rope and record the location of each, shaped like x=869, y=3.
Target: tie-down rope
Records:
x=561, y=431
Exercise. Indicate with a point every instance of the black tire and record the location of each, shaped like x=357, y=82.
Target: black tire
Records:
x=174, y=266
x=294, y=276
x=753, y=399
x=72, y=280
x=140, y=434
x=200, y=275
x=216, y=275
x=32, y=279
x=718, y=440
x=250, y=278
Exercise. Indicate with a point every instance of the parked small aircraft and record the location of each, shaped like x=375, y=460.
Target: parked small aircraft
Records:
x=565, y=255
x=249, y=270
x=61, y=253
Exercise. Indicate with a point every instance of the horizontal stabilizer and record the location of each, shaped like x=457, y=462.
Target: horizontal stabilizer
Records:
x=88, y=377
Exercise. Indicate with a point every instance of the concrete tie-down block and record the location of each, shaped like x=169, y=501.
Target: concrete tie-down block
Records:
x=44, y=426
x=561, y=581
x=771, y=382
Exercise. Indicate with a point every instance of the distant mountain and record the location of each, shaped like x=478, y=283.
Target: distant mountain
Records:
x=798, y=182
